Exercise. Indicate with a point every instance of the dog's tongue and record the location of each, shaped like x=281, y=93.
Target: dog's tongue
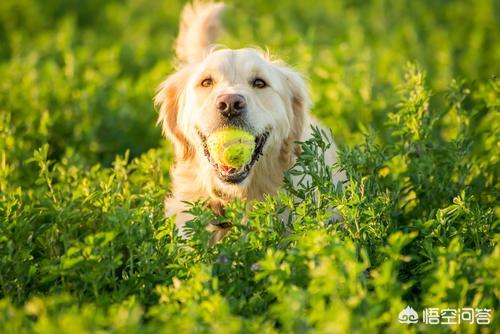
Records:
x=228, y=169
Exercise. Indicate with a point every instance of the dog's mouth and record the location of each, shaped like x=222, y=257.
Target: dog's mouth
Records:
x=231, y=174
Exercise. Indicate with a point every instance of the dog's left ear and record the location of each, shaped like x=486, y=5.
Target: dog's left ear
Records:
x=300, y=103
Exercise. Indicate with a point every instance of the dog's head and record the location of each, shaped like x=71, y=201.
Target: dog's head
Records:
x=234, y=88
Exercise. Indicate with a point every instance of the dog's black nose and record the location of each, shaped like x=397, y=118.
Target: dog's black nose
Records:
x=231, y=105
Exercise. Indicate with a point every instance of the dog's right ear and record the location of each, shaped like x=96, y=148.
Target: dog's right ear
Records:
x=167, y=100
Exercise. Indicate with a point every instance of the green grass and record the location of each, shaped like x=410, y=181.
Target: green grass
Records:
x=408, y=87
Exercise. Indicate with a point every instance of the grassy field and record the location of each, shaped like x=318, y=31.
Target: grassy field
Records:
x=410, y=90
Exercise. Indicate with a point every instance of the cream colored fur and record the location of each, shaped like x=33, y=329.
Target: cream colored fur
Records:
x=186, y=107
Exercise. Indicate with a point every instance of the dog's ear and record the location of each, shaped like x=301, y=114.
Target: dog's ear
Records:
x=300, y=103
x=167, y=100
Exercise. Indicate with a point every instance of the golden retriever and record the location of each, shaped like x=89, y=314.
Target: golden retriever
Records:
x=216, y=88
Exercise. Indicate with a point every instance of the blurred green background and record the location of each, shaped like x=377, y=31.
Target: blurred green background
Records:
x=82, y=74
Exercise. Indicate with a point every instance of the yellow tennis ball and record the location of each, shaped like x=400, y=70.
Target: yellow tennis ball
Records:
x=231, y=147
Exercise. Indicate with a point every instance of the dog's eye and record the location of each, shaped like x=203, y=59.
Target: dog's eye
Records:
x=207, y=82
x=259, y=83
